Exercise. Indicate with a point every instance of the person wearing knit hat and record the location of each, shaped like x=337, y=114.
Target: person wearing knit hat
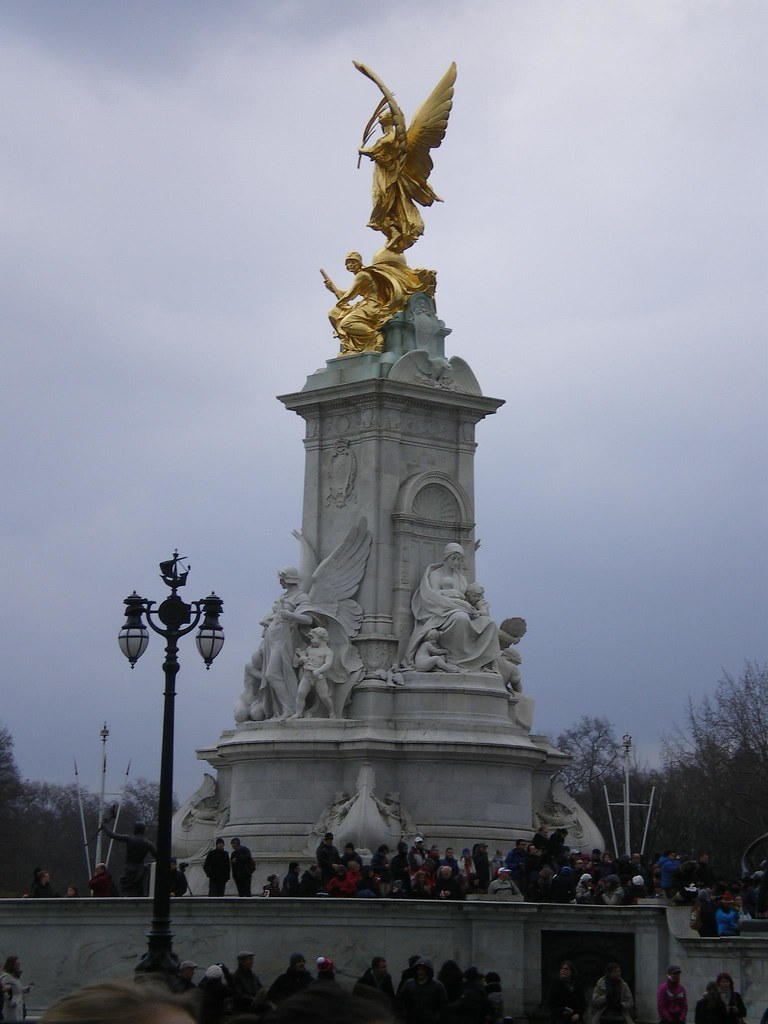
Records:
x=585, y=890
x=635, y=890
x=214, y=992
x=294, y=980
x=612, y=892
x=325, y=969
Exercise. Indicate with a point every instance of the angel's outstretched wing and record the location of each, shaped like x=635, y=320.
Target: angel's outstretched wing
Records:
x=426, y=132
x=308, y=562
x=338, y=576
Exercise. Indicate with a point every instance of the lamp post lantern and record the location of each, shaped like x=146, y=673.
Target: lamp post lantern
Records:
x=172, y=619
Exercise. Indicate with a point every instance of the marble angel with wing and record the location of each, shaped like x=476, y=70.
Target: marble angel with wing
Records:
x=317, y=597
x=402, y=159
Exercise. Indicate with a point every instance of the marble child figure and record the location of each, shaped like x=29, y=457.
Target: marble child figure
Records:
x=315, y=661
x=475, y=594
x=430, y=655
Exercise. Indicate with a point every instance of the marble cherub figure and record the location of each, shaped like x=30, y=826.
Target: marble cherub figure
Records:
x=430, y=655
x=315, y=662
x=511, y=632
x=475, y=594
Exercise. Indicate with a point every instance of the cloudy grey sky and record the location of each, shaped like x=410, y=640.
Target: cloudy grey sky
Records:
x=173, y=176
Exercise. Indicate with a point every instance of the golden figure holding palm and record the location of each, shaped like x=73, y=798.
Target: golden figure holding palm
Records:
x=402, y=165
x=402, y=159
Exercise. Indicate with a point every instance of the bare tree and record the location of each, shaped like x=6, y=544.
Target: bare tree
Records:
x=10, y=787
x=140, y=804
x=596, y=756
x=719, y=765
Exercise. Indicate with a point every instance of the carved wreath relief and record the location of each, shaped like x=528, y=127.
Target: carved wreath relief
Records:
x=342, y=475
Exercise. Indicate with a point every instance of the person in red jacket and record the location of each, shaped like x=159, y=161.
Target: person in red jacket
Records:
x=671, y=1000
x=101, y=883
x=342, y=883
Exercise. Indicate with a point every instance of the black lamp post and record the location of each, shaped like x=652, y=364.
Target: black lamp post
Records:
x=178, y=619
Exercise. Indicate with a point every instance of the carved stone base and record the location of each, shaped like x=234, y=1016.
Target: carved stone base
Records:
x=447, y=751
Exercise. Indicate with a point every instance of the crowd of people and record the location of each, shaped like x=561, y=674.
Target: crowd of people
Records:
x=543, y=869
x=421, y=996
x=452, y=996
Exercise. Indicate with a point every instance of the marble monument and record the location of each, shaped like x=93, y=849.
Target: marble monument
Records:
x=383, y=699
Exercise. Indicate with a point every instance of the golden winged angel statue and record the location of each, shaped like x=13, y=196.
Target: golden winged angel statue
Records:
x=402, y=160
x=402, y=165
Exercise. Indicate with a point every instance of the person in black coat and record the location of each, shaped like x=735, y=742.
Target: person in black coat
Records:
x=398, y=865
x=290, y=885
x=248, y=995
x=564, y=885
x=422, y=999
x=473, y=1005
x=177, y=880
x=711, y=1009
x=451, y=977
x=295, y=979
x=447, y=885
x=242, y=867
x=217, y=869
x=328, y=858
x=482, y=865
x=567, y=1002
x=311, y=881
x=215, y=991
x=378, y=981
x=735, y=1009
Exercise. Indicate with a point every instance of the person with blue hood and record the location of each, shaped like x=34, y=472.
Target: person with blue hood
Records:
x=564, y=885
x=422, y=998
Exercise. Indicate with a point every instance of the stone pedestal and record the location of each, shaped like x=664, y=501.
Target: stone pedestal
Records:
x=446, y=750
x=402, y=455
x=390, y=442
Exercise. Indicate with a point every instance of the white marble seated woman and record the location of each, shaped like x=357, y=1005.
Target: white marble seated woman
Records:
x=467, y=633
